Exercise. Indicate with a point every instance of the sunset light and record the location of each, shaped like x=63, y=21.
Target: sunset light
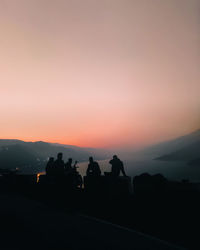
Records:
x=98, y=73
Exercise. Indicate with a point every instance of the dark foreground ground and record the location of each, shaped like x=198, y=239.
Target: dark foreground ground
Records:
x=30, y=224
x=57, y=215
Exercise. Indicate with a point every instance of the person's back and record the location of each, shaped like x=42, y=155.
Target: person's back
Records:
x=93, y=168
x=59, y=165
x=117, y=166
x=50, y=166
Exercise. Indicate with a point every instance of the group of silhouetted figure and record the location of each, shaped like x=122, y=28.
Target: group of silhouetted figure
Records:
x=117, y=167
x=58, y=168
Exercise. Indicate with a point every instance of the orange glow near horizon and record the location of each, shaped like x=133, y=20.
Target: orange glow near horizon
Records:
x=99, y=73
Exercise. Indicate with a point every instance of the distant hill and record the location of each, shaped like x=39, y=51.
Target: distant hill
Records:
x=194, y=162
x=176, y=144
x=186, y=148
x=32, y=156
x=98, y=153
x=16, y=156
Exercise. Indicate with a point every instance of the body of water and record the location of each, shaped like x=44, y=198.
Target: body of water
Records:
x=141, y=163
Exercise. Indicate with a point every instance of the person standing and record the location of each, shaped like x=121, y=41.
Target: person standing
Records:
x=50, y=167
x=59, y=165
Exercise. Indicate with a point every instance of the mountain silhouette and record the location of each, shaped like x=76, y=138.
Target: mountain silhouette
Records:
x=17, y=156
x=173, y=145
x=185, y=148
x=33, y=155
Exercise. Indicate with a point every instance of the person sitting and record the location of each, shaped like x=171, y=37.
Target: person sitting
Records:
x=68, y=166
x=73, y=177
x=93, y=168
x=50, y=166
x=78, y=177
x=59, y=165
x=117, y=166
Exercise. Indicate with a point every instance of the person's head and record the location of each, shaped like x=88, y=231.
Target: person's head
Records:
x=59, y=156
x=70, y=160
x=91, y=159
x=51, y=159
x=115, y=157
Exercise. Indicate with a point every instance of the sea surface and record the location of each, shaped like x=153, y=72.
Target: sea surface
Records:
x=141, y=163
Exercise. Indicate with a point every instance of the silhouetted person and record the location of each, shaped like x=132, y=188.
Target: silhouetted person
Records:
x=117, y=166
x=93, y=168
x=68, y=166
x=59, y=166
x=50, y=166
x=73, y=177
x=78, y=177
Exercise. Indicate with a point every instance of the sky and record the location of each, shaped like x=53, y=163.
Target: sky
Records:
x=99, y=73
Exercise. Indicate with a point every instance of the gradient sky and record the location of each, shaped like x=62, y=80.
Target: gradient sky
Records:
x=101, y=73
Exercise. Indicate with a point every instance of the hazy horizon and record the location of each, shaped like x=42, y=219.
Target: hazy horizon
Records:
x=104, y=74
x=118, y=149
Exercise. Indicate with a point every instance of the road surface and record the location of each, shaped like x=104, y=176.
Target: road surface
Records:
x=28, y=224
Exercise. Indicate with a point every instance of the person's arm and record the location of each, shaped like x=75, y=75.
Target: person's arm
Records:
x=122, y=169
